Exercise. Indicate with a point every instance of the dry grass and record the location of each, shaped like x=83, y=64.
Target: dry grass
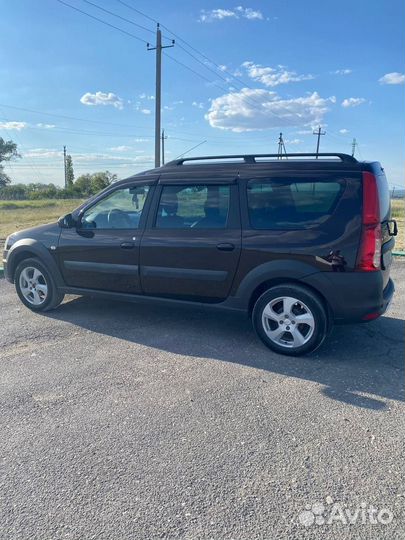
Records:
x=18, y=215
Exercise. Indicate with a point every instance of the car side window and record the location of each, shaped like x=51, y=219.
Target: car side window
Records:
x=121, y=209
x=193, y=206
x=282, y=204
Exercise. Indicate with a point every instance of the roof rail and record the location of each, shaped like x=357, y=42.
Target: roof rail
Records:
x=251, y=158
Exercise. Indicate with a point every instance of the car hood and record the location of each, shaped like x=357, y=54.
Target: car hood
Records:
x=47, y=234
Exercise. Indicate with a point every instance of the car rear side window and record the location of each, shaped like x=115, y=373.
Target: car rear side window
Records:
x=291, y=204
x=193, y=206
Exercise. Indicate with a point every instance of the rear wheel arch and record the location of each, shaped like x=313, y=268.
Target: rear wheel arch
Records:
x=268, y=284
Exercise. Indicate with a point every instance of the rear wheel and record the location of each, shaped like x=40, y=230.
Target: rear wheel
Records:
x=35, y=286
x=290, y=320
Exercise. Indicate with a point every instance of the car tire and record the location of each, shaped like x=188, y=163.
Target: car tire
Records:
x=35, y=286
x=290, y=319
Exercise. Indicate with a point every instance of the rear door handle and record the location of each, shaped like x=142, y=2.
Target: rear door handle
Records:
x=226, y=247
x=127, y=245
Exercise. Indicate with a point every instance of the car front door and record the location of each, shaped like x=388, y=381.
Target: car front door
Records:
x=102, y=251
x=191, y=245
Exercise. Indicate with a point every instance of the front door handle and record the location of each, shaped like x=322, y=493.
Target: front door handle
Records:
x=127, y=245
x=226, y=247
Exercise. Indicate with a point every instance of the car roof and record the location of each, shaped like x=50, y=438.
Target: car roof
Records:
x=225, y=168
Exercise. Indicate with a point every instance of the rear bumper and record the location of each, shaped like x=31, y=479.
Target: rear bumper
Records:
x=353, y=296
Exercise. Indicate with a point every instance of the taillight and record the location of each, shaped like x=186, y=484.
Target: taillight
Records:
x=369, y=257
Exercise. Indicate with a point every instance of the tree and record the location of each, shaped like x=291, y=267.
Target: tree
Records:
x=8, y=151
x=70, y=176
x=89, y=184
x=83, y=185
x=101, y=180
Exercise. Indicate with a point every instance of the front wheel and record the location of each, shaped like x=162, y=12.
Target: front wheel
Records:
x=35, y=286
x=290, y=320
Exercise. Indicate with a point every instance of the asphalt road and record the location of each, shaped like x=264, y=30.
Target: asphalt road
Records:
x=123, y=422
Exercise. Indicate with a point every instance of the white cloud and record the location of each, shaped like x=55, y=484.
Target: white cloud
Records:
x=392, y=78
x=102, y=98
x=293, y=141
x=238, y=12
x=342, y=72
x=91, y=157
x=46, y=126
x=145, y=111
x=198, y=105
x=121, y=148
x=249, y=13
x=146, y=96
x=273, y=76
x=258, y=109
x=343, y=131
x=18, y=126
x=352, y=102
x=43, y=153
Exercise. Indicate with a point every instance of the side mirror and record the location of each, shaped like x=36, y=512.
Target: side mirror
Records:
x=66, y=222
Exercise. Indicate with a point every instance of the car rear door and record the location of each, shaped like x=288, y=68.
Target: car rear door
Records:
x=102, y=251
x=191, y=245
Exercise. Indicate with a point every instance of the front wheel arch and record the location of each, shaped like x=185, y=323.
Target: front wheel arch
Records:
x=53, y=295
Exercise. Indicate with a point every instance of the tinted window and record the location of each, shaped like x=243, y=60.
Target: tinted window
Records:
x=191, y=206
x=121, y=209
x=291, y=204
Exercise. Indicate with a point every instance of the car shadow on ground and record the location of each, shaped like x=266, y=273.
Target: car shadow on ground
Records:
x=361, y=365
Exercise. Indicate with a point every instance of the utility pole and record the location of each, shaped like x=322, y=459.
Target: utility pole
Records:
x=319, y=132
x=281, y=147
x=163, y=146
x=158, y=96
x=354, y=144
x=64, y=164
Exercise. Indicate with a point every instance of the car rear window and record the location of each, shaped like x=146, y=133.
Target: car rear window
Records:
x=291, y=204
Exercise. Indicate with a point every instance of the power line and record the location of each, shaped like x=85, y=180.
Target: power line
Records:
x=101, y=21
x=219, y=68
x=138, y=11
x=251, y=99
x=190, y=149
x=119, y=17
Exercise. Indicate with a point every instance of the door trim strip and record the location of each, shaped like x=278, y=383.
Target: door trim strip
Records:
x=103, y=268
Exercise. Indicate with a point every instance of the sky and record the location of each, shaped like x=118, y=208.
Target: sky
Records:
x=237, y=76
